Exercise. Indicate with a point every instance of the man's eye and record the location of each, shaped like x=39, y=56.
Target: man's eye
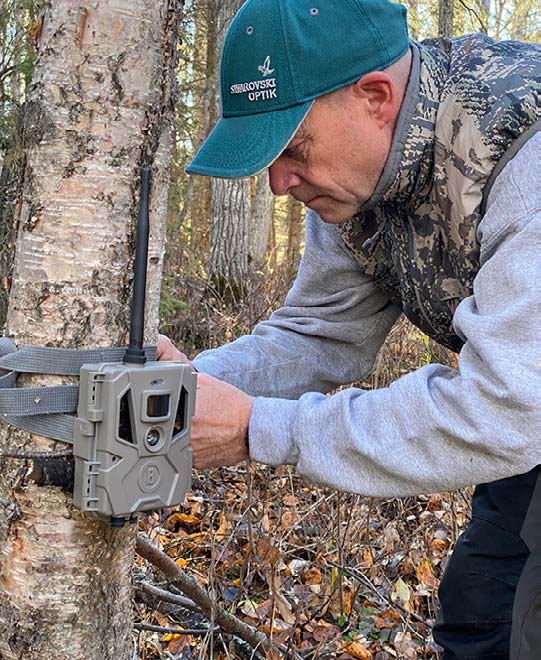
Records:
x=290, y=151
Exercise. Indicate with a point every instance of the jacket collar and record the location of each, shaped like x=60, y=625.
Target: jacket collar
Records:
x=408, y=168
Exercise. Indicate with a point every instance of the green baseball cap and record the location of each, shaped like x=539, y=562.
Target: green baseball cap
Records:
x=278, y=57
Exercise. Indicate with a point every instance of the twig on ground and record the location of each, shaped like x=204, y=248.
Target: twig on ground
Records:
x=245, y=568
x=41, y=455
x=172, y=631
x=168, y=597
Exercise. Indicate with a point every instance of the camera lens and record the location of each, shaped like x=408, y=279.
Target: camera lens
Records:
x=153, y=437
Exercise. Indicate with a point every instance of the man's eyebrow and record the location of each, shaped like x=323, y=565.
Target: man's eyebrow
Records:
x=300, y=138
x=301, y=133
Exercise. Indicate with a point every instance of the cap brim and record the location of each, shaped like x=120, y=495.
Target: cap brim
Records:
x=244, y=146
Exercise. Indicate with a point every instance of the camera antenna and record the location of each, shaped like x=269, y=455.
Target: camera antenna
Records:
x=135, y=353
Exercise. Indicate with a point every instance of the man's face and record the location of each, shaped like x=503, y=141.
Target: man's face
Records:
x=335, y=159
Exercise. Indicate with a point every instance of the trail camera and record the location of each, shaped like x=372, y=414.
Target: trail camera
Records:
x=133, y=419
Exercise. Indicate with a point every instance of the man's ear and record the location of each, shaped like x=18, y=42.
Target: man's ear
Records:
x=379, y=94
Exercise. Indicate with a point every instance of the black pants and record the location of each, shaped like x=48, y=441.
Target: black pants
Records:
x=490, y=595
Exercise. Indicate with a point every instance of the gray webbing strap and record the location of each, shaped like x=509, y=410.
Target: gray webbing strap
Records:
x=42, y=410
x=508, y=155
x=29, y=401
x=61, y=361
x=57, y=427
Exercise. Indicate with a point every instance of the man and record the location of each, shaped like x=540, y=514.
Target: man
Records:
x=419, y=164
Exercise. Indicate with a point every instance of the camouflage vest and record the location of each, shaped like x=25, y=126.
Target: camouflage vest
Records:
x=468, y=99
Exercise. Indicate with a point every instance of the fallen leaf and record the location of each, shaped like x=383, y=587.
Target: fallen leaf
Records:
x=386, y=619
x=323, y=633
x=196, y=505
x=347, y=598
x=289, y=519
x=439, y=545
x=291, y=500
x=282, y=604
x=182, y=519
x=406, y=646
x=264, y=609
x=391, y=615
x=434, y=503
x=311, y=576
x=222, y=528
x=402, y=594
x=266, y=523
x=368, y=556
x=441, y=534
x=249, y=607
x=176, y=646
x=268, y=554
x=357, y=650
x=424, y=573
x=391, y=537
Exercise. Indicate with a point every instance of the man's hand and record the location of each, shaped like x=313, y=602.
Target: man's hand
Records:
x=168, y=353
x=222, y=416
x=220, y=425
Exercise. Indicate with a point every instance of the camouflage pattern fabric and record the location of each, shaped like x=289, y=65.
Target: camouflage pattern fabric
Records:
x=417, y=240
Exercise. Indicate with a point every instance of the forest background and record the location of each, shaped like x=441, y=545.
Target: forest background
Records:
x=327, y=574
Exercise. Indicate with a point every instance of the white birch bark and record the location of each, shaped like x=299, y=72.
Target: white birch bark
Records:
x=98, y=108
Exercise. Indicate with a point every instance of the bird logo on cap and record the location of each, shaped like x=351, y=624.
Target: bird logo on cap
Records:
x=265, y=67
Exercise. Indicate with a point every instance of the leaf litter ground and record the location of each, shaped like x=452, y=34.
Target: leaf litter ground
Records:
x=327, y=574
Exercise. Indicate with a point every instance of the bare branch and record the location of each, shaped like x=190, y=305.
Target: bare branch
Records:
x=172, y=631
x=37, y=455
x=168, y=597
x=483, y=25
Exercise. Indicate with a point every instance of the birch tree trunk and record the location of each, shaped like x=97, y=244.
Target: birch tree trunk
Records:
x=445, y=18
x=229, y=206
x=97, y=109
x=261, y=213
x=205, y=75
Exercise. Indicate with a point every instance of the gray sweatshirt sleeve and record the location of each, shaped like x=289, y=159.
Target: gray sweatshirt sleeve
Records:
x=439, y=428
x=327, y=333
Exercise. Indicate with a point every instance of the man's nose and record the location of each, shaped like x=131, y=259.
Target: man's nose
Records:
x=282, y=177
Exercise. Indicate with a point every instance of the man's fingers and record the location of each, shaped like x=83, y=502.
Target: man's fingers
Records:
x=164, y=347
x=167, y=352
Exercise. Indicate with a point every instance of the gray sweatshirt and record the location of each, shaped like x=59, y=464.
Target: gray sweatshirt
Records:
x=434, y=429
